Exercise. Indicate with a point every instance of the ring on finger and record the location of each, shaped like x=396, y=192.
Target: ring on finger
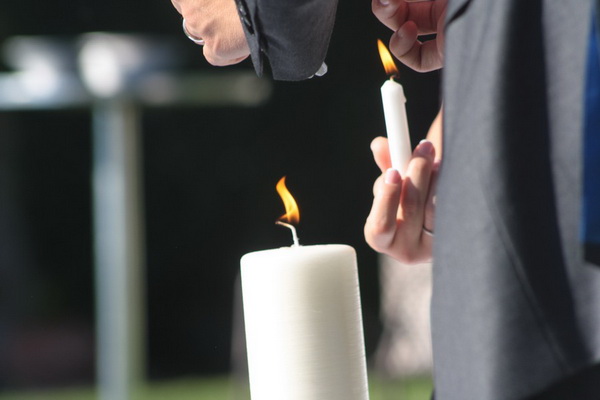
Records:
x=427, y=231
x=198, y=41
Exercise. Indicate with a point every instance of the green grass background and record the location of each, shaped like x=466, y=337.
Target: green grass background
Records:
x=223, y=388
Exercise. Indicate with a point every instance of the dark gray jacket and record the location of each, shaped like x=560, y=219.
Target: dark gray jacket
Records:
x=515, y=307
x=291, y=35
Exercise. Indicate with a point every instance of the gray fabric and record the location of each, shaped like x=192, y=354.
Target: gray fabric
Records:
x=291, y=35
x=514, y=308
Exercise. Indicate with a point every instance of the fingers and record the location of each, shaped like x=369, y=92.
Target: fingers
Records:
x=176, y=5
x=381, y=153
x=391, y=13
x=218, y=55
x=216, y=22
x=394, y=13
x=421, y=57
x=409, y=20
x=381, y=224
x=400, y=207
x=428, y=222
x=225, y=41
x=415, y=192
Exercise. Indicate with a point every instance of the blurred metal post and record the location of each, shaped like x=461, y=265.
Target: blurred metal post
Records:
x=119, y=248
x=120, y=73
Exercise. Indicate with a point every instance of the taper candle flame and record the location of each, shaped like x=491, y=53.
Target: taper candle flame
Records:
x=292, y=213
x=388, y=61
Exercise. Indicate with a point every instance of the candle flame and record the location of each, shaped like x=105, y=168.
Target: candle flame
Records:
x=386, y=59
x=292, y=213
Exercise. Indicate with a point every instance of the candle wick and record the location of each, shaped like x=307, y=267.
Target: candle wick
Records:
x=293, y=229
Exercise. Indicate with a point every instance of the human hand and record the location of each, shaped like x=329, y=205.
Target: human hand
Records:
x=216, y=22
x=403, y=208
x=409, y=19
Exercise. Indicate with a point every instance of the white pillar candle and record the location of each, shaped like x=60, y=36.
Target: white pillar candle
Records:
x=303, y=324
x=396, y=124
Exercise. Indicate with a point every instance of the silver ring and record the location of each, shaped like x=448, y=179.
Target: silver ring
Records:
x=189, y=36
x=427, y=231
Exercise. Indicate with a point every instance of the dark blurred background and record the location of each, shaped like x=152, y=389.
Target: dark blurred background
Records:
x=209, y=186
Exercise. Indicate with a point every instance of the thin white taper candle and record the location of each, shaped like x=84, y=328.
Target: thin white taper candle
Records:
x=394, y=110
x=396, y=123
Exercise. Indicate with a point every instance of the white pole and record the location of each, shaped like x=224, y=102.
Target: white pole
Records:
x=118, y=248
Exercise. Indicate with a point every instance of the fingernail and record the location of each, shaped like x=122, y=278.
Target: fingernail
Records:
x=392, y=176
x=384, y=2
x=401, y=31
x=372, y=145
x=425, y=148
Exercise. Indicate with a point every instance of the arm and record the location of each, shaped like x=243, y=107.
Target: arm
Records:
x=292, y=36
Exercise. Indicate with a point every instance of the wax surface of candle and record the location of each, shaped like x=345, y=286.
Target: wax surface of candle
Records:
x=303, y=324
x=396, y=123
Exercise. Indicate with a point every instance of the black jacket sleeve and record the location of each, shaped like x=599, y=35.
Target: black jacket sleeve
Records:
x=291, y=35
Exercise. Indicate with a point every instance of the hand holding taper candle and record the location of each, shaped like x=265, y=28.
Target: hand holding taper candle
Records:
x=394, y=110
x=303, y=320
x=400, y=223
